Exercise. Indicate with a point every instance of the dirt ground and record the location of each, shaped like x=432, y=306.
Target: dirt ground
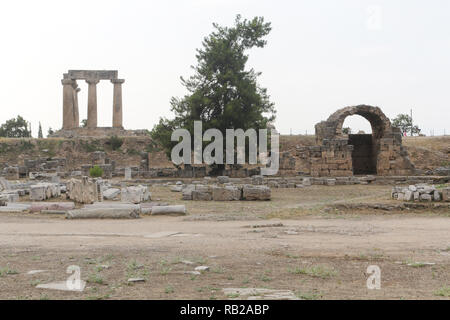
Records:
x=294, y=242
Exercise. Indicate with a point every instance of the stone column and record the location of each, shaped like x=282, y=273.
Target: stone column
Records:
x=76, y=113
x=117, y=103
x=92, y=103
x=68, y=119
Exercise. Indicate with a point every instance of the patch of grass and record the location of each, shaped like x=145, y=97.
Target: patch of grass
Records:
x=106, y=296
x=265, y=278
x=165, y=270
x=96, y=172
x=114, y=143
x=44, y=297
x=95, y=278
x=417, y=265
x=308, y=295
x=169, y=289
x=218, y=270
x=7, y=271
x=315, y=271
x=34, y=283
x=233, y=295
x=443, y=292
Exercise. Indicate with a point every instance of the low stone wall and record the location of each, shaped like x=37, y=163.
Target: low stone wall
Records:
x=225, y=192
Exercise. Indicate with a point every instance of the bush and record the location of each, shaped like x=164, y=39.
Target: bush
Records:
x=115, y=142
x=96, y=172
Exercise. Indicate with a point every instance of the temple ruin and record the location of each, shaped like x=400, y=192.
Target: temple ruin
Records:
x=71, y=116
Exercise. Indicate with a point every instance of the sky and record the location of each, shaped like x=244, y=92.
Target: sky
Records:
x=320, y=56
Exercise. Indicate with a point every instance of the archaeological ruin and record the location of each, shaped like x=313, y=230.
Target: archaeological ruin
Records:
x=338, y=154
x=71, y=116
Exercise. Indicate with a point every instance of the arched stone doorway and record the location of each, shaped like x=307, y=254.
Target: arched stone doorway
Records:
x=378, y=153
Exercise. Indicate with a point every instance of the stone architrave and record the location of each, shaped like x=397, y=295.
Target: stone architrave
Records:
x=92, y=103
x=117, y=103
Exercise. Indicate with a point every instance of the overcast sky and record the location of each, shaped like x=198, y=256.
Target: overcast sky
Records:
x=321, y=55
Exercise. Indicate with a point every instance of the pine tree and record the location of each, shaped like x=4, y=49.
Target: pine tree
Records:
x=40, y=136
x=222, y=93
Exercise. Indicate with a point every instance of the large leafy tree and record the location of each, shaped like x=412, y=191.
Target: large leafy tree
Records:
x=404, y=122
x=15, y=128
x=222, y=93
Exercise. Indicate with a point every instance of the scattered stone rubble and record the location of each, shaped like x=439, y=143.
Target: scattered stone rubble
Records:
x=421, y=192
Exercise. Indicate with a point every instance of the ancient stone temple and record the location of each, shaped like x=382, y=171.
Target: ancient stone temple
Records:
x=338, y=154
x=71, y=118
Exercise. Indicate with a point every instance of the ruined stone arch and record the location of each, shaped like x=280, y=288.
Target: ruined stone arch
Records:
x=332, y=127
x=379, y=153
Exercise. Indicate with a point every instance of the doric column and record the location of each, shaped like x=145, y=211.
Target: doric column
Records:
x=92, y=103
x=68, y=119
x=117, y=103
x=76, y=112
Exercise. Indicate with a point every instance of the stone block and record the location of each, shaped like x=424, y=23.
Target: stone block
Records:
x=426, y=197
x=135, y=194
x=223, y=179
x=251, y=192
x=227, y=193
x=257, y=180
x=199, y=195
x=111, y=193
x=446, y=194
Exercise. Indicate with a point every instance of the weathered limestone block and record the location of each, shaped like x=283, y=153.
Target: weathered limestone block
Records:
x=436, y=196
x=9, y=197
x=251, y=192
x=306, y=182
x=331, y=182
x=187, y=191
x=426, y=197
x=257, y=180
x=85, y=190
x=111, y=194
x=4, y=184
x=43, y=191
x=135, y=194
x=103, y=213
x=169, y=210
x=227, y=193
x=201, y=195
x=59, y=206
x=176, y=188
x=446, y=194
x=223, y=179
x=272, y=184
x=127, y=173
x=15, y=207
x=409, y=195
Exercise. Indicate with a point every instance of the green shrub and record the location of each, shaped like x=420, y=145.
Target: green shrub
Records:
x=115, y=142
x=96, y=172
